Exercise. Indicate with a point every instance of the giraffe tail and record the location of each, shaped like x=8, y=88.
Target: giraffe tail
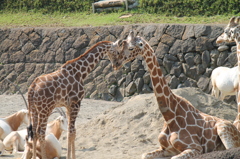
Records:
x=30, y=132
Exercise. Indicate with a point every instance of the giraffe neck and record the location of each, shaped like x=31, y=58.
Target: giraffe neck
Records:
x=85, y=63
x=161, y=89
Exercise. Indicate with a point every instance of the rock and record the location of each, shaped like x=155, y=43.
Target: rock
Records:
x=182, y=77
x=167, y=64
x=168, y=40
x=112, y=90
x=149, y=31
x=188, y=45
x=131, y=88
x=201, y=30
x=232, y=58
x=206, y=59
x=223, y=48
x=146, y=78
x=135, y=65
x=189, y=58
x=28, y=47
x=222, y=58
x=203, y=83
x=214, y=54
x=203, y=43
x=161, y=50
x=129, y=78
x=139, y=84
x=146, y=89
x=189, y=32
x=111, y=78
x=175, y=31
x=176, y=69
x=174, y=82
x=176, y=48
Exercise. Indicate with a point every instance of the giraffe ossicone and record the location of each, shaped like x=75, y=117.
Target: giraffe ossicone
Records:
x=63, y=88
x=187, y=132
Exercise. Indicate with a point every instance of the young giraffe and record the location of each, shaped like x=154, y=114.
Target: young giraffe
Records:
x=63, y=87
x=187, y=132
x=232, y=33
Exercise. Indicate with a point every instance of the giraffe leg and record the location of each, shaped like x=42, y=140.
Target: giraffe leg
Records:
x=189, y=153
x=159, y=153
x=34, y=117
x=72, y=115
x=228, y=134
x=42, y=125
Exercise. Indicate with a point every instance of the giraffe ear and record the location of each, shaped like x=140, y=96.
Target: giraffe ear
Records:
x=231, y=22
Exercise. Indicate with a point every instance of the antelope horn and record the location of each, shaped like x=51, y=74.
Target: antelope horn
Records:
x=19, y=92
x=59, y=111
x=62, y=112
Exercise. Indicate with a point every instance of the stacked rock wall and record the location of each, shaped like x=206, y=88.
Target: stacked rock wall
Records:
x=187, y=54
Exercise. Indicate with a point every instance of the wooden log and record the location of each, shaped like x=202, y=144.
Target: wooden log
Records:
x=112, y=3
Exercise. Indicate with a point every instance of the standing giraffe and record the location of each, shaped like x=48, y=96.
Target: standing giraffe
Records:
x=187, y=132
x=232, y=33
x=63, y=87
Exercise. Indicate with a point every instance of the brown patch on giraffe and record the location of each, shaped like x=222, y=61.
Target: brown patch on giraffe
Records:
x=179, y=110
x=208, y=133
x=84, y=75
x=90, y=60
x=71, y=79
x=166, y=91
x=85, y=63
x=155, y=81
x=191, y=119
x=83, y=69
x=181, y=121
x=159, y=89
x=154, y=71
x=168, y=114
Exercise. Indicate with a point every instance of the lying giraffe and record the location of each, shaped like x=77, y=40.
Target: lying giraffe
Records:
x=187, y=132
x=63, y=87
x=232, y=33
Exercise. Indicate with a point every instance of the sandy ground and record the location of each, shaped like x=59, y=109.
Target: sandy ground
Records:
x=117, y=130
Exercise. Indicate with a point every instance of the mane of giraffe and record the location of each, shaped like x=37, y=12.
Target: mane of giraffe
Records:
x=63, y=87
x=232, y=34
x=187, y=132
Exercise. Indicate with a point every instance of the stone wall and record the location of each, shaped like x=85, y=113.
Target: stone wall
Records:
x=187, y=55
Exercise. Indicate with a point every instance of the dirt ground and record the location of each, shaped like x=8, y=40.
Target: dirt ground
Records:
x=117, y=130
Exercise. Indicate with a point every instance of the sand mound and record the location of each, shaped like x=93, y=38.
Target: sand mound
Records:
x=131, y=128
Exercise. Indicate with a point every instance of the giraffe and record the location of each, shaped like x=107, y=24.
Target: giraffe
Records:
x=187, y=132
x=63, y=87
x=232, y=34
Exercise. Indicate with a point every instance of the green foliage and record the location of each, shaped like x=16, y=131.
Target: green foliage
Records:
x=191, y=7
x=46, y=6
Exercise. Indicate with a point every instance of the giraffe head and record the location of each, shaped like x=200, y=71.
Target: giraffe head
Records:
x=230, y=32
x=129, y=49
x=114, y=52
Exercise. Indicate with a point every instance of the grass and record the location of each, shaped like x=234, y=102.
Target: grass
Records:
x=31, y=19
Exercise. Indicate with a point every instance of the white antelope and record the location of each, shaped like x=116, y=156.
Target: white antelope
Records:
x=224, y=81
x=12, y=122
x=53, y=146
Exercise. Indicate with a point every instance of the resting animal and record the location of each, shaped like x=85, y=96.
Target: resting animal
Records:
x=224, y=81
x=11, y=123
x=53, y=147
